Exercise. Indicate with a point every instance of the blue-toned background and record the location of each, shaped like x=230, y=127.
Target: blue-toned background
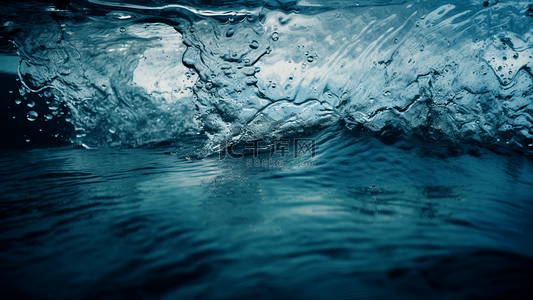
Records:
x=123, y=125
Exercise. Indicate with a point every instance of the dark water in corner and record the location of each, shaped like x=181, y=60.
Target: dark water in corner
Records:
x=266, y=149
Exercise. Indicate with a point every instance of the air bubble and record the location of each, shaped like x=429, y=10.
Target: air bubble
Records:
x=310, y=58
x=48, y=117
x=254, y=45
x=31, y=104
x=505, y=58
x=32, y=116
x=18, y=101
x=396, y=41
x=112, y=130
x=275, y=36
x=515, y=56
x=230, y=32
x=47, y=94
x=500, y=68
x=122, y=29
x=422, y=47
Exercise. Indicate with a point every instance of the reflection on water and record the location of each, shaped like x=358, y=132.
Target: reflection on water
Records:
x=148, y=223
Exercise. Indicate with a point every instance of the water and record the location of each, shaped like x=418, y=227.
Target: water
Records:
x=266, y=149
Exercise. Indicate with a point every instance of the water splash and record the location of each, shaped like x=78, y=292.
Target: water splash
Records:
x=143, y=73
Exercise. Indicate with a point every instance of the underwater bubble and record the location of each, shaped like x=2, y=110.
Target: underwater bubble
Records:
x=515, y=56
x=27, y=140
x=32, y=116
x=48, y=117
x=230, y=32
x=112, y=130
x=30, y=103
x=422, y=48
x=18, y=101
x=310, y=58
x=505, y=58
x=500, y=68
x=122, y=29
x=47, y=94
x=275, y=36
x=254, y=44
x=396, y=41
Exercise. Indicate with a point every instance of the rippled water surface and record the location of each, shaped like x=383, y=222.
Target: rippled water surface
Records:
x=366, y=221
x=266, y=149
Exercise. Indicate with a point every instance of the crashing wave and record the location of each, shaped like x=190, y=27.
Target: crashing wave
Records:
x=134, y=74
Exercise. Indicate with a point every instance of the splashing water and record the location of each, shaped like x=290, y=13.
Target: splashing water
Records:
x=134, y=74
x=375, y=149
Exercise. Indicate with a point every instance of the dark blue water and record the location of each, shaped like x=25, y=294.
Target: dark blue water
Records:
x=366, y=221
x=266, y=149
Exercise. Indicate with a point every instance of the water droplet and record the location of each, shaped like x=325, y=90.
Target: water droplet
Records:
x=510, y=72
x=254, y=44
x=422, y=47
x=48, y=117
x=27, y=140
x=505, y=58
x=275, y=36
x=112, y=130
x=32, y=116
x=230, y=32
x=31, y=103
x=500, y=68
x=396, y=41
x=47, y=94
x=122, y=29
x=11, y=92
x=18, y=101
x=515, y=56
x=310, y=58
